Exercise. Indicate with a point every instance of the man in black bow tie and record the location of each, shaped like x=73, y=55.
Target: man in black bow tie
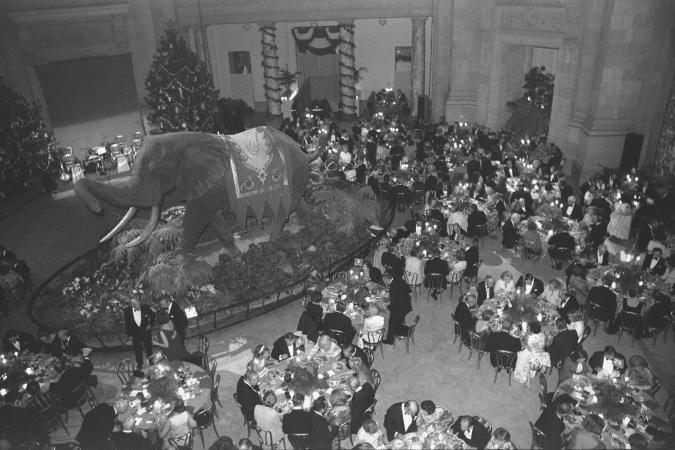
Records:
x=138, y=321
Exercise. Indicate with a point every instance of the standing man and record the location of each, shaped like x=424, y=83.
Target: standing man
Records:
x=138, y=321
x=399, y=306
x=177, y=316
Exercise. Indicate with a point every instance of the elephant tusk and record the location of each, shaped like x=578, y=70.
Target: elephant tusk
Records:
x=147, y=231
x=125, y=220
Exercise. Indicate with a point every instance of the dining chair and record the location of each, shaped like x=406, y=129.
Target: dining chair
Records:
x=250, y=424
x=205, y=418
x=410, y=336
x=435, y=282
x=203, y=345
x=299, y=441
x=182, y=441
x=544, y=398
x=559, y=256
x=125, y=371
x=628, y=321
x=505, y=362
x=370, y=357
x=377, y=378
x=480, y=232
x=538, y=438
x=403, y=201
x=343, y=432
x=209, y=364
x=478, y=346
x=531, y=252
x=372, y=340
x=458, y=334
x=76, y=398
x=456, y=279
x=370, y=411
x=215, y=399
x=265, y=439
x=656, y=387
x=411, y=280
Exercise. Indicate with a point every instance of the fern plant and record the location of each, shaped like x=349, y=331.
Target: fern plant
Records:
x=347, y=208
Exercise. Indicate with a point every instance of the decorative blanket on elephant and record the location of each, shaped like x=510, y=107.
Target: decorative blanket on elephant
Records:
x=259, y=173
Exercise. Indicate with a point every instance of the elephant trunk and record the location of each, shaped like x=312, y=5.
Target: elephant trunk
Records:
x=123, y=195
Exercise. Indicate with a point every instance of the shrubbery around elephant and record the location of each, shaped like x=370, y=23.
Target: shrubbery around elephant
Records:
x=259, y=170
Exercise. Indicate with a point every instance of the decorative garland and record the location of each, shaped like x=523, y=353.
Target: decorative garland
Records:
x=347, y=70
x=270, y=65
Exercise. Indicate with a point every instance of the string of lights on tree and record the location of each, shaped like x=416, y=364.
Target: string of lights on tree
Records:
x=348, y=75
x=270, y=65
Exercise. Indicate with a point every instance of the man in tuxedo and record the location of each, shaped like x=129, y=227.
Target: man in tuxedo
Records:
x=502, y=340
x=297, y=420
x=551, y=424
x=573, y=210
x=486, y=289
x=401, y=418
x=71, y=346
x=561, y=239
x=654, y=263
x=565, y=189
x=314, y=308
x=399, y=306
x=607, y=361
x=601, y=255
x=476, y=218
x=598, y=232
x=69, y=378
x=352, y=351
x=471, y=256
x=19, y=342
x=339, y=321
x=138, y=321
x=605, y=298
x=464, y=318
x=510, y=235
x=248, y=393
x=529, y=284
x=287, y=346
x=521, y=193
x=177, y=316
x=563, y=343
x=436, y=266
x=396, y=264
x=128, y=440
x=645, y=234
x=363, y=397
x=472, y=432
x=97, y=426
x=320, y=435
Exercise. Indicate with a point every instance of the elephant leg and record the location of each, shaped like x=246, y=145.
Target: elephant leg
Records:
x=200, y=212
x=225, y=234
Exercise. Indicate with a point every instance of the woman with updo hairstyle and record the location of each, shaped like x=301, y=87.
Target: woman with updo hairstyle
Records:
x=501, y=440
x=261, y=356
x=179, y=423
x=533, y=355
x=590, y=435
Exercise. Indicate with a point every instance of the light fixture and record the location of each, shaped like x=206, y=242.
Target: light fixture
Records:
x=382, y=21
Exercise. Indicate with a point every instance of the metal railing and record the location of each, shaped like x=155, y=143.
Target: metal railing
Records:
x=219, y=318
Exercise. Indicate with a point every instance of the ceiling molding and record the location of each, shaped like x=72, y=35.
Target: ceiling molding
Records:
x=60, y=15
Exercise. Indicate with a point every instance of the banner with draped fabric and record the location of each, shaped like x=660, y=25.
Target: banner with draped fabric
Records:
x=321, y=41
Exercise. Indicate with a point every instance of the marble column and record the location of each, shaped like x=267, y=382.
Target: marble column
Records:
x=347, y=69
x=665, y=149
x=418, y=61
x=271, y=68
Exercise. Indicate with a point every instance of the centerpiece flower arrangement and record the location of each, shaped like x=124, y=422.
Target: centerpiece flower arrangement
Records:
x=302, y=377
x=622, y=277
x=613, y=402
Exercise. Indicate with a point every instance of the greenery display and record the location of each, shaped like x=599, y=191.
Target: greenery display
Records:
x=302, y=378
x=531, y=112
x=181, y=94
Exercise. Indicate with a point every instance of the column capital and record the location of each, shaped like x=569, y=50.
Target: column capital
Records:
x=419, y=20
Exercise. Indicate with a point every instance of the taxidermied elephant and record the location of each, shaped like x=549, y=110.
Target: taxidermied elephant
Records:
x=262, y=169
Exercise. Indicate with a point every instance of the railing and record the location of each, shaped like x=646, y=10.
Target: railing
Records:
x=222, y=317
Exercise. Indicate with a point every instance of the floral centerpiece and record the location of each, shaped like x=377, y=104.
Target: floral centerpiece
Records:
x=302, y=376
x=622, y=277
x=613, y=401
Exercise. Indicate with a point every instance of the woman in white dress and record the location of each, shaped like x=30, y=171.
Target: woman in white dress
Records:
x=620, y=219
x=374, y=321
x=552, y=292
x=505, y=284
x=533, y=356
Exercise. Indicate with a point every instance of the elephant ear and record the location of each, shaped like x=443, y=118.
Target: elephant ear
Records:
x=205, y=165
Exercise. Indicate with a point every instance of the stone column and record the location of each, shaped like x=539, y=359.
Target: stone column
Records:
x=665, y=149
x=271, y=68
x=418, y=61
x=347, y=69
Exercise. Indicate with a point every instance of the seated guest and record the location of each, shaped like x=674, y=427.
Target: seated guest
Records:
x=669, y=276
x=531, y=240
x=326, y=347
x=246, y=444
x=350, y=351
x=529, y=284
x=393, y=262
x=362, y=398
x=314, y=308
x=533, y=356
x=471, y=431
x=267, y=418
x=561, y=240
x=505, y=284
x=589, y=436
x=601, y=256
x=71, y=346
x=598, y=232
x=261, y=358
x=157, y=355
x=370, y=433
x=563, y=343
x=551, y=423
x=502, y=340
x=607, y=362
x=605, y=298
x=18, y=424
x=373, y=322
x=464, y=317
x=97, y=426
x=179, y=423
x=475, y=220
x=248, y=393
x=339, y=411
x=39, y=401
x=654, y=263
x=485, y=289
x=127, y=439
x=483, y=324
x=297, y=420
x=430, y=413
x=70, y=378
x=287, y=346
x=372, y=273
x=173, y=346
x=568, y=305
x=552, y=292
x=510, y=235
x=639, y=375
x=414, y=265
x=577, y=323
x=400, y=419
x=573, y=210
x=49, y=342
x=19, y=342
x=501, y=439
x=320, y=434
x=638, y=442
x=580, y=285
x=339, y=321
x=574, y=364
x=455, y=232
x=656, y=317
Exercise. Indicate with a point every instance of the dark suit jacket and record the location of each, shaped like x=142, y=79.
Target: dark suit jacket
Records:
x=510, y=234
x=576, y=214
x=659, y=269
x=562, y=239
x=644, y=235
x=471, y=257
x=375, y=275
x=248, y=397
x=72, y=346
x=604, y=260
x=562, y=345
x=393, y=421
x=502, y=340
x=552, y=426
x=537, y=287
x=130, y=441
x=605, y=299
x=595, y=362
x=319, y=432
x=97, y=426
x=296, y=422
x=479, y=437
x=26, y=342
x=280, y=347
x=147, y=321
x=315, y=311
x=436, y=265
x=399, y=297
x=338, y=321
x=361, y=400
x=69, y=380
x=393, y=261
x=483, y=293
x=465, y=319
x=178, y=317
x=475, y=218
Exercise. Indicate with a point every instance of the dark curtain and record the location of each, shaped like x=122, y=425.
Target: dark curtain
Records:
x=317, y=40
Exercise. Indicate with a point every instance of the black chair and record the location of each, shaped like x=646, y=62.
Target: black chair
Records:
x=370, y=411
x=403, y=201
x=456, y=279
x=372, y=340
x=458, y=334
x=411, y=280
x=531, y=252
x=505, y=361
x=656, y=387
x=265, y=439
x=560, y=256
x=544, y=395
x=478, y=346
x=205, y=419
x=203, y=345
x=538, y=438
x=209, y=364
x=76, y=398
x=370, y=357
x=125, y=371
x=339, y=276
x=435, y=282
x=628, y=321
x=593, y=312
x=299, y=441
x=343, y=432
x=215, y=399
x=182, y=442
x=410, y=336
x=377, y=378
x=250, y=424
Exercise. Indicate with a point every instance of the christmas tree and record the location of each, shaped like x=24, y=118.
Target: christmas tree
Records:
x=25, y=142
x=538, y=89
x=180, y=89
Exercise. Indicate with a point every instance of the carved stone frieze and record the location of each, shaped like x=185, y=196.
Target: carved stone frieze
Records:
x=560, y=17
